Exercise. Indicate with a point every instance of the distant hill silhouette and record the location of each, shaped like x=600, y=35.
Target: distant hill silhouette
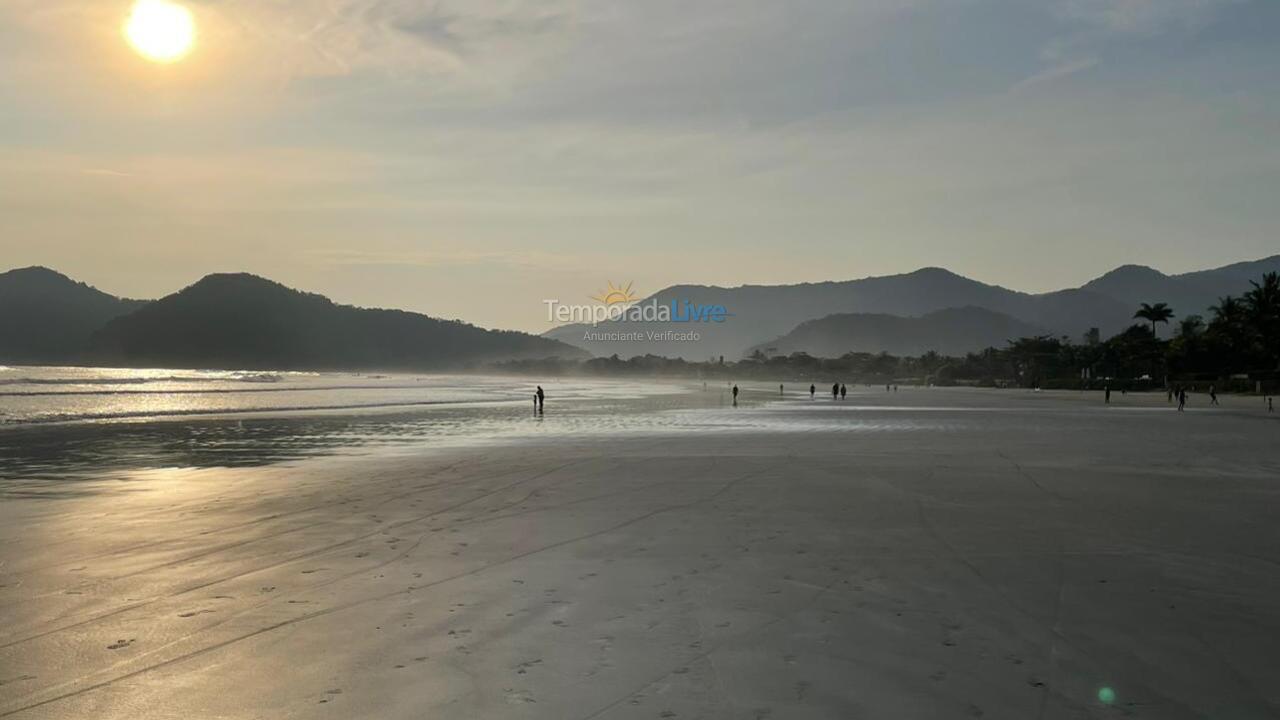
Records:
x=46, y=317
x=954, y=331
x=1188, y=293
x=245, y=321
x=764, y=312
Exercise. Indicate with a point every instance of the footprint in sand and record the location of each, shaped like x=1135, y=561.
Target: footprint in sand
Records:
x=335, y=691
x=523, y=668
x=518, y=697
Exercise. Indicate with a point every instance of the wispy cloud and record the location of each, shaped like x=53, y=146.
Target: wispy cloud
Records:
x=104, y=172
x=1141, y=16
x=1056, y=72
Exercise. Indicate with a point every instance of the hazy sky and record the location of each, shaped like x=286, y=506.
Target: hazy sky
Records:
x=468, y=158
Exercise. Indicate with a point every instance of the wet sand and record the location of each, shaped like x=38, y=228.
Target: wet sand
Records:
x=925, y=554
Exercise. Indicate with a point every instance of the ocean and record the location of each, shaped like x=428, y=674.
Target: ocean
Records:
x=67, y=422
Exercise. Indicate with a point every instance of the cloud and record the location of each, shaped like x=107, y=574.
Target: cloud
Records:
x=1057, y=72
x=342, y=37
x=1140, y=16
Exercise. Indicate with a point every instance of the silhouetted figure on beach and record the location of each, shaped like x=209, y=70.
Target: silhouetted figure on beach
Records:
x=835, y=391
x=1213, y=395
x=1106, y=394
x=535, y=403
x=542, y=398
x=895, y=388
x=842, y=391
x=735, y=396
x=1270, y=404
x=1170, y=393
x=886, y=388
x=780, y=393
x=812, y=389
x=1182, y=399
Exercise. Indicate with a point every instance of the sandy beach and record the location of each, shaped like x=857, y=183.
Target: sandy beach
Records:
x=924, y=554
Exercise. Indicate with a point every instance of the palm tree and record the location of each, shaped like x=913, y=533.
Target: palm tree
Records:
x=1228, y=311
x=1160, y=312
x=1191, y=326
x=1262, y=306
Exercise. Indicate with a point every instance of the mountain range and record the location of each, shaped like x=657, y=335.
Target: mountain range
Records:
x=953, y=331
x=760, y=314
x=249, y=322
x=46, y=317
x=237, y=321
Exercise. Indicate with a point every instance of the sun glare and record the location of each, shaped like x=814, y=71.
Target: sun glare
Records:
x=160, y=31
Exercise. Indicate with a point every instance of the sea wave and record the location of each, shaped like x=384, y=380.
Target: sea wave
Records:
x=141, y=414
x=203, y=391
x=135, y=380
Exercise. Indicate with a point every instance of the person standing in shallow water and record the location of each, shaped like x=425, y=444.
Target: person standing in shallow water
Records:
x=780, y=393
x=735, y=396
x=542, y=398
x=835, y=390
x=843, y=390
x=812, y=389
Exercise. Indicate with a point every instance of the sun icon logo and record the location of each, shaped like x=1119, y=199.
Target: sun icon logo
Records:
x=615, y=295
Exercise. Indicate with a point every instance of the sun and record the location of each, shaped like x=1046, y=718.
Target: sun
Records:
x=161, y=31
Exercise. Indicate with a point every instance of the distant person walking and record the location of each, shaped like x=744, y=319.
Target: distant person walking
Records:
x=812, y=389
x=835, y=391
x=735, y=396
x=895, y=388
x=542, y=399
x=1182, y=399
x=1106, y=394
x=1213, y=395
x=843, y=390
x=780, y=393
x=1270, y=404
